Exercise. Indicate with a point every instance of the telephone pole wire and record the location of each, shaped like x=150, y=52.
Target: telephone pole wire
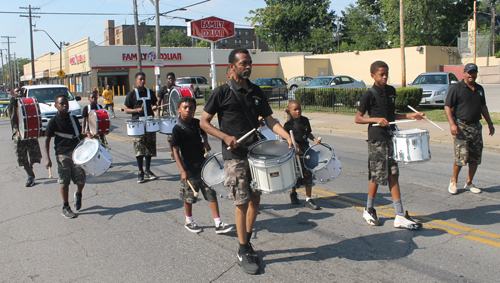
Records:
x=31, y=37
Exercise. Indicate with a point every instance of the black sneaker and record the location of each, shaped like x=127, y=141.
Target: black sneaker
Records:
x=223, y=228
x=140, y=177
x=78, y=201
x=30, y=182
x=294, y=199
x=149, y=175
x=252, y=252
x=310, y=204
x=247, y=262
x=66, y=212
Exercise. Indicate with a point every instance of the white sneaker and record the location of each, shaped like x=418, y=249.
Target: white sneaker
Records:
x=452, y=188
x=370, y=216
x=406, y=222
x=223, y=228
x=472, y=188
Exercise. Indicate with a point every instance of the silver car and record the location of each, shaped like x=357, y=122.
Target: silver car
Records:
x=435, y=87
x=335, y=81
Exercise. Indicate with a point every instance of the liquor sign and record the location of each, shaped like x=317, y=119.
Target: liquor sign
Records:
x=79, y=58
x=151, y=56
x=210, y=29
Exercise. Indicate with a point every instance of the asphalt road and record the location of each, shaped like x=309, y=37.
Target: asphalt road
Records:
x=129, y=232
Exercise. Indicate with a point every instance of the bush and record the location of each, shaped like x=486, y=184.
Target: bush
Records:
x=323, y=97
x=407, y=96
x=348, y=97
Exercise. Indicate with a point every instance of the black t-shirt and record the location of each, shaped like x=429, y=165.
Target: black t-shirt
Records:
x=465, y=103
x=187, y=136
x=232, y=118
x=368, y=103
x=163, y=93
x=85, y=110
x=12, y=108
x=301, y=129
x=63, y=124
x=131, y=101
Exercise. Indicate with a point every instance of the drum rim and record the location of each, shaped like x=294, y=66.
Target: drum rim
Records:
x=93, y=112
x=326, y=164
x=81, y=143
x=205, y=163
x=270, y=162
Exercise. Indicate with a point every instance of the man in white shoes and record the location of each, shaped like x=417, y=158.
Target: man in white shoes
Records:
x=464, y=106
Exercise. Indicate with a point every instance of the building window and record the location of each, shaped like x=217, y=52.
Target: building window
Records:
x=184, y=31
x=237, y=32
x=117, y=31
x=224, y=41
x=247, y=33
x=237, y=41
x=107, y=37
x=247, y=41
x=118, y=41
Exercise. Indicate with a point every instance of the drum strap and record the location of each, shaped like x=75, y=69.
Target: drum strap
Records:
x=254, y=122
x=143, y=100
x=70, y=136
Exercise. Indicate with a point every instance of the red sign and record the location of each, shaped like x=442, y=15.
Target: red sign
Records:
x=151, y=56
x=79, y=58
x=211, y=29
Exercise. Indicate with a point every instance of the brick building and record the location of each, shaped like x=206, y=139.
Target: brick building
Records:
x=125, y=35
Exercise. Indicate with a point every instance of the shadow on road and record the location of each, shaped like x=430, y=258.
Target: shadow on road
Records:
x=145, y=207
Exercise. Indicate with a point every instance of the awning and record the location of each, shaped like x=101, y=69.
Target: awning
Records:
x=42, y=74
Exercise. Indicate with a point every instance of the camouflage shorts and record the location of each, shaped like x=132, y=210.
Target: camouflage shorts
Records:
x=68, y=170
x=381, y=162
x=25, y=148
x=187, y=194
x=169, y=137
x=468, y=144
x=145, y=145
x=238, y=179
x=307, y=180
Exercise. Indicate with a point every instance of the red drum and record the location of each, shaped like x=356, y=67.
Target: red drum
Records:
x=30, y=121
x=99, y=123
x=182, y=91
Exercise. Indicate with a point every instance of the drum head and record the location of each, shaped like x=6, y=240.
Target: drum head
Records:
x=268, y=150
x=173, y=102
x=319, y=156
x=213, y=170
x=85, y=151
x=93, y=123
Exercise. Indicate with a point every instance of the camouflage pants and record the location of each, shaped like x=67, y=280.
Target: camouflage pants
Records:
x=468, y=144
x=68, y=170
x=381, y=162
x=25, y=148
x=238, y=181
x=145, y=145
x=307, y=180
x=187, y=194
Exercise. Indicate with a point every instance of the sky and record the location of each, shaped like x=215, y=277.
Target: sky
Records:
x=72, y=28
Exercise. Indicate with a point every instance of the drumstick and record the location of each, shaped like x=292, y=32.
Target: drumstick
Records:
x=50, y=173
x=164, y=105
x=195, y=193
x=320, y=138
x=206, y=155
x=298, y=159
x=414, y=110
x=242, y=138
x=402, y=121
x=305, y=157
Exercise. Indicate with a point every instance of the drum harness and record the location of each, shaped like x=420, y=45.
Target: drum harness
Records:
x=143, y=100
x=69, y=136
x=250, y=116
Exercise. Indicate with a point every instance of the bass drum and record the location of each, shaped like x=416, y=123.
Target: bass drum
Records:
x=99, y=123
x=30, y=120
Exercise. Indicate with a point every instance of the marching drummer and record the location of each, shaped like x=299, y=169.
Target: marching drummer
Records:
x=238, y=105
x=301, y=129
x=163, y=98
x=67, y=132
x=379, y=102
x=141, y=102
x=189, y=151
x=23, y=148
x=93, y=98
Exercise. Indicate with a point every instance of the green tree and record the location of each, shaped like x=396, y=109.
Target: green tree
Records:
x=171, y=38
x=292, y=25
x=202, y=43
x=362, y=29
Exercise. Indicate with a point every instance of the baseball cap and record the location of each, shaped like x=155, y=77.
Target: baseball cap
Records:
x=469, y=67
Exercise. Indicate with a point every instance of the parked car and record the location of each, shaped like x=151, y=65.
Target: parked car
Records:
x=4, y=103
x=196, y=84
x=298, y=81
x=435, y=87
x=278, y=86
x=45, y=95
x=335, y=81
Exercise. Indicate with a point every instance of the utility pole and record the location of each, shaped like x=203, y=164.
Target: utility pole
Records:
x=137, y=42
x=16, y=68
x=158, y=43
x=402, y=32
x=11, y=81
x=3, y=68
x=338, y=39
x=31, y=38
x=475, y=31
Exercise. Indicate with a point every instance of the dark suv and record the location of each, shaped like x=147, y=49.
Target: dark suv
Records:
x=276, y=86
x=196, y=84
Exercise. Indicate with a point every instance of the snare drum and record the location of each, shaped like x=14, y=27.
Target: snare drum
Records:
x=152, y=125
x=272, y=166
x=167, y=123
x=92, y=157
x=322, y=162
x=135, y=128
x=411, y=146
x=181, y=92
x=213, y=174
x=99, y=123
x=29, y=118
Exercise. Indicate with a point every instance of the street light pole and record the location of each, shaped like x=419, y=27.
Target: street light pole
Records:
x=59, y=46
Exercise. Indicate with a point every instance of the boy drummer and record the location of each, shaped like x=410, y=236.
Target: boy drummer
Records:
x=301, y=129
x=66, y=130
x=93, y=98
x=186, y=138
x=382, y=168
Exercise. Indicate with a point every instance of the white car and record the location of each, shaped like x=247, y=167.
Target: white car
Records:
x=45, y=95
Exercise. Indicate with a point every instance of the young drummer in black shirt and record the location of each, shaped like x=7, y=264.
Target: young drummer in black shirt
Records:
x=187, y=139
x=66, y=130
x=301, y=129
x=383, y=169
x=93, y=98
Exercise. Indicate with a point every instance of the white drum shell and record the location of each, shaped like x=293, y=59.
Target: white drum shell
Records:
x=152, y=125
x=135, y=128
x=167, y=124
x=411, y=146
x=331, y=168
x=98, y=163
